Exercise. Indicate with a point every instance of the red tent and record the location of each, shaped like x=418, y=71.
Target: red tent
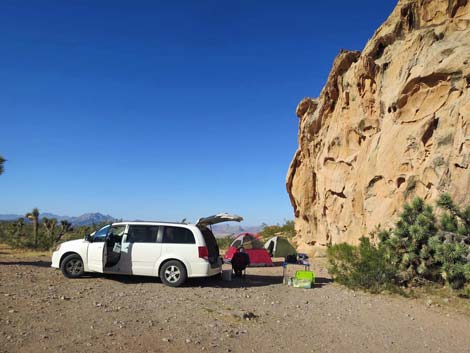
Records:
x=253, y=246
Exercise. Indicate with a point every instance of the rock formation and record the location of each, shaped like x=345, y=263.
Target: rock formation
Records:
x=391, y=122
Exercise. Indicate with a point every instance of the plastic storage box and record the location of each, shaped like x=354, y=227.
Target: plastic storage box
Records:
x=305, y=275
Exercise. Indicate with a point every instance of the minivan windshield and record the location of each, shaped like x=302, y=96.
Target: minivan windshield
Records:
x=100, y=235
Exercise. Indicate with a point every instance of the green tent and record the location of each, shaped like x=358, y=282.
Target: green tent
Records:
x=279, y=247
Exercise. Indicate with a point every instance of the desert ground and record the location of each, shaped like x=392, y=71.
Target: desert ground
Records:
x=40, y=310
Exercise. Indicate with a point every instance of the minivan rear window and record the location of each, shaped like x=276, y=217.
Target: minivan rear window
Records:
x=177, y=235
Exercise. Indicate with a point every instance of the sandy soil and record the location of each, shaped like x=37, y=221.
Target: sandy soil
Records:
x=40, y=310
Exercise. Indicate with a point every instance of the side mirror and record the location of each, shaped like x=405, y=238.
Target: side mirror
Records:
x=89, y=238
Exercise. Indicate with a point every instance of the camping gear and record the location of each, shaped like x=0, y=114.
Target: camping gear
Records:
x=307, y=275
x=291, y=259
x=302, y=257
x=227, y=275
x=279, y=247
x=285, y=264
x=301, y=283
x=253, y=246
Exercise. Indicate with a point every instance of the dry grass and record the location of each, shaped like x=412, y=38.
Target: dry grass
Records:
x=7, y=252
x=445, y=297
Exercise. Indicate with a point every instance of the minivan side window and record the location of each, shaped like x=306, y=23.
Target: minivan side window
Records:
x=177, y=235
x=142, y=234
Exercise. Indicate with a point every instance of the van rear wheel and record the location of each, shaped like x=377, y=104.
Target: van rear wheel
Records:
x=173, y=273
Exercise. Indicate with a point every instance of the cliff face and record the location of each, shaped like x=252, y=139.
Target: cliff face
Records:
x=391, y=122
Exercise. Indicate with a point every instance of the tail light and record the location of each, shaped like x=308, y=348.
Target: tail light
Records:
x=203, y=252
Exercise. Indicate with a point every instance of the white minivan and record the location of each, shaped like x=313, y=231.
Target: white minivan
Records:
x=171, y=251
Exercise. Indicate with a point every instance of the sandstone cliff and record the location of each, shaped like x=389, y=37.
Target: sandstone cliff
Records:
x=391, y=122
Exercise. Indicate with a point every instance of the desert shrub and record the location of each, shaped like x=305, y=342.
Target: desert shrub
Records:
x=224, y=242
x=420, y=249
x=287, y=230
x=364, y=266
x=19, y=234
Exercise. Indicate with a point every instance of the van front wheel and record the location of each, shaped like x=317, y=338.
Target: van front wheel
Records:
x=173, y=273
x=72, y=266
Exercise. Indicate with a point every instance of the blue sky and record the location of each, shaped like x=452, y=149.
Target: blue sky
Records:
x=163, y=110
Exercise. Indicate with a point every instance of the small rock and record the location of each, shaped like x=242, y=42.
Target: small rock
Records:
x=165, y=339
x=249, y=316
x=188, y=340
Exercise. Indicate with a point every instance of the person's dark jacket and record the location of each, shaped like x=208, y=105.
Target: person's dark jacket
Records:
x=240, y=260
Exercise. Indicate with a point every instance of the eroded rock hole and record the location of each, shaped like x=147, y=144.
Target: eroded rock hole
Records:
x=400, y=181
x=374, y=180
x=408, y=15
x=379, y=51
x=429, y=131
x=361, y=139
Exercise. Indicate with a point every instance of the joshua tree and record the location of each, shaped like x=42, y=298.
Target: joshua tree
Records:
x=2, y=160
x=34, y=217
x=65, y=227
x=49, y=225
x=20, y=224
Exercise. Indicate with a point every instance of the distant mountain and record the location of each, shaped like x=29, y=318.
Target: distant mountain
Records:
x=83, y=220
x=230, y=229
x=90, y=218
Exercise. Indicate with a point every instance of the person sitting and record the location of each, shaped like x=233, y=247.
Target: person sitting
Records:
x=240, y=261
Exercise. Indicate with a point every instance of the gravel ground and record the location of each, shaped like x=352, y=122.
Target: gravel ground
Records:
x=40, y=310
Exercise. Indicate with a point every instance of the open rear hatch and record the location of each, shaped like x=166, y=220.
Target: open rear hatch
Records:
x=218, y=218
x=211, y=243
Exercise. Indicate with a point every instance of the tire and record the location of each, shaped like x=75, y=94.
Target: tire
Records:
x=72, y=266
x=173, y=273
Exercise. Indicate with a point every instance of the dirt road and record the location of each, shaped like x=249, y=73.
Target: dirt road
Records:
x=40, y=310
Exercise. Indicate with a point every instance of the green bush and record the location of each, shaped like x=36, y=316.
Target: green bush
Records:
x=287, y=230
x=419, y=249
x=364, y=266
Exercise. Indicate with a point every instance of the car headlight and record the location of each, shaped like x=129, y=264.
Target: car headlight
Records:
x=58, y=247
